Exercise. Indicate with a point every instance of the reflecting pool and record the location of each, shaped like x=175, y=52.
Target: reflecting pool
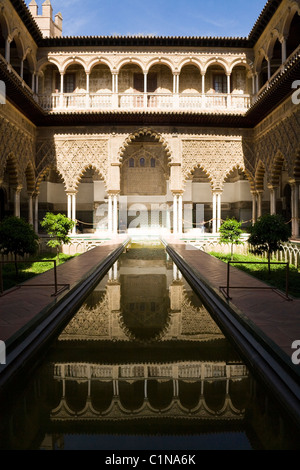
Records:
x=143, y=366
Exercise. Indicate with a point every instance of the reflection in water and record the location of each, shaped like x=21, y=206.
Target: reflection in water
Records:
x=141, y=359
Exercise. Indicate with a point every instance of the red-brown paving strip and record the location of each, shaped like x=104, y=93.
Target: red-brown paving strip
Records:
x=276, y=317
x=21, y=306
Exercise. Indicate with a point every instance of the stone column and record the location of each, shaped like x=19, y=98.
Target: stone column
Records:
x=283, y=50
x=203, y=89
x=87, y=103
x=175, y=215
x=115, y=102
x=61, y=100
x=259, y=201
x=254, y=207
x=214, y=215
x=69, y=213
x=272, y=200
x=253, y=85
x=228, y=90
x=74, y=212
x=115, y=215
x=33, y=82
x=7, y=50
x=176, y=90
x=17, y=208
x=295, y=209
x=219, y=211
x=110, y=214
x=22, y=69
x=145, y=90
x=30, y=209
x=37, y=84
x=269, y=68
x=36, y=213
x=180, y=209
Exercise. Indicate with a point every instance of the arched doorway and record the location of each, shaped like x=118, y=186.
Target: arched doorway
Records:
x=236, y=197
x=145, y=199
x=91, y=210
x=201, y=195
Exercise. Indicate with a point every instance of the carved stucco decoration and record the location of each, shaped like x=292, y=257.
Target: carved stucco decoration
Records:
x=215, y=157
x=282, y=141
x=15, y=144
x=141, y=133
x=71, y=158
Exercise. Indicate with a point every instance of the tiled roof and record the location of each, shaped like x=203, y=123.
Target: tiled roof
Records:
x=268, y=11
x=139, y=41
x=28, y=20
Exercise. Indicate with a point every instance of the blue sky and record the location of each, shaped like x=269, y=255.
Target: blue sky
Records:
x=233, y=18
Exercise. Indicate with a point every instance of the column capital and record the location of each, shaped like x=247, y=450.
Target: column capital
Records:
x=217, y=192
x=293, y=181
x=18, y=188
x=177, y=193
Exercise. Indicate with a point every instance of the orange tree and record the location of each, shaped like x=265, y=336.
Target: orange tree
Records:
x=268, y=234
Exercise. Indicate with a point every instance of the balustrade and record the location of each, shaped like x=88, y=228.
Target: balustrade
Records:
x=159, y=101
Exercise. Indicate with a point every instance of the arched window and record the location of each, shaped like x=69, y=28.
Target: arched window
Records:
x=131, y=163
x=153, y=162
x=142, y=162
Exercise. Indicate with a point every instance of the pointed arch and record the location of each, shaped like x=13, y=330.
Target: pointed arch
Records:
x=44, y=172
x=202, y=167
x=244, y=170
x=86, y=167
x=274, y=36
x=276, y=169
x=4, y=24
x=16, y=37
x=259, y=60
x=145, y=132
x=296, y=170
x=291, y=12
x=260, y=176
x=11, y=168
x=30, y=178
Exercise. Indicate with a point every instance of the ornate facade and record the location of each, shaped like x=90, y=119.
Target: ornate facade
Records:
x=168, y=134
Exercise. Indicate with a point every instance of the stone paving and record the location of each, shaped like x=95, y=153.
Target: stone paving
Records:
x=276, y=317
x=22, y=306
